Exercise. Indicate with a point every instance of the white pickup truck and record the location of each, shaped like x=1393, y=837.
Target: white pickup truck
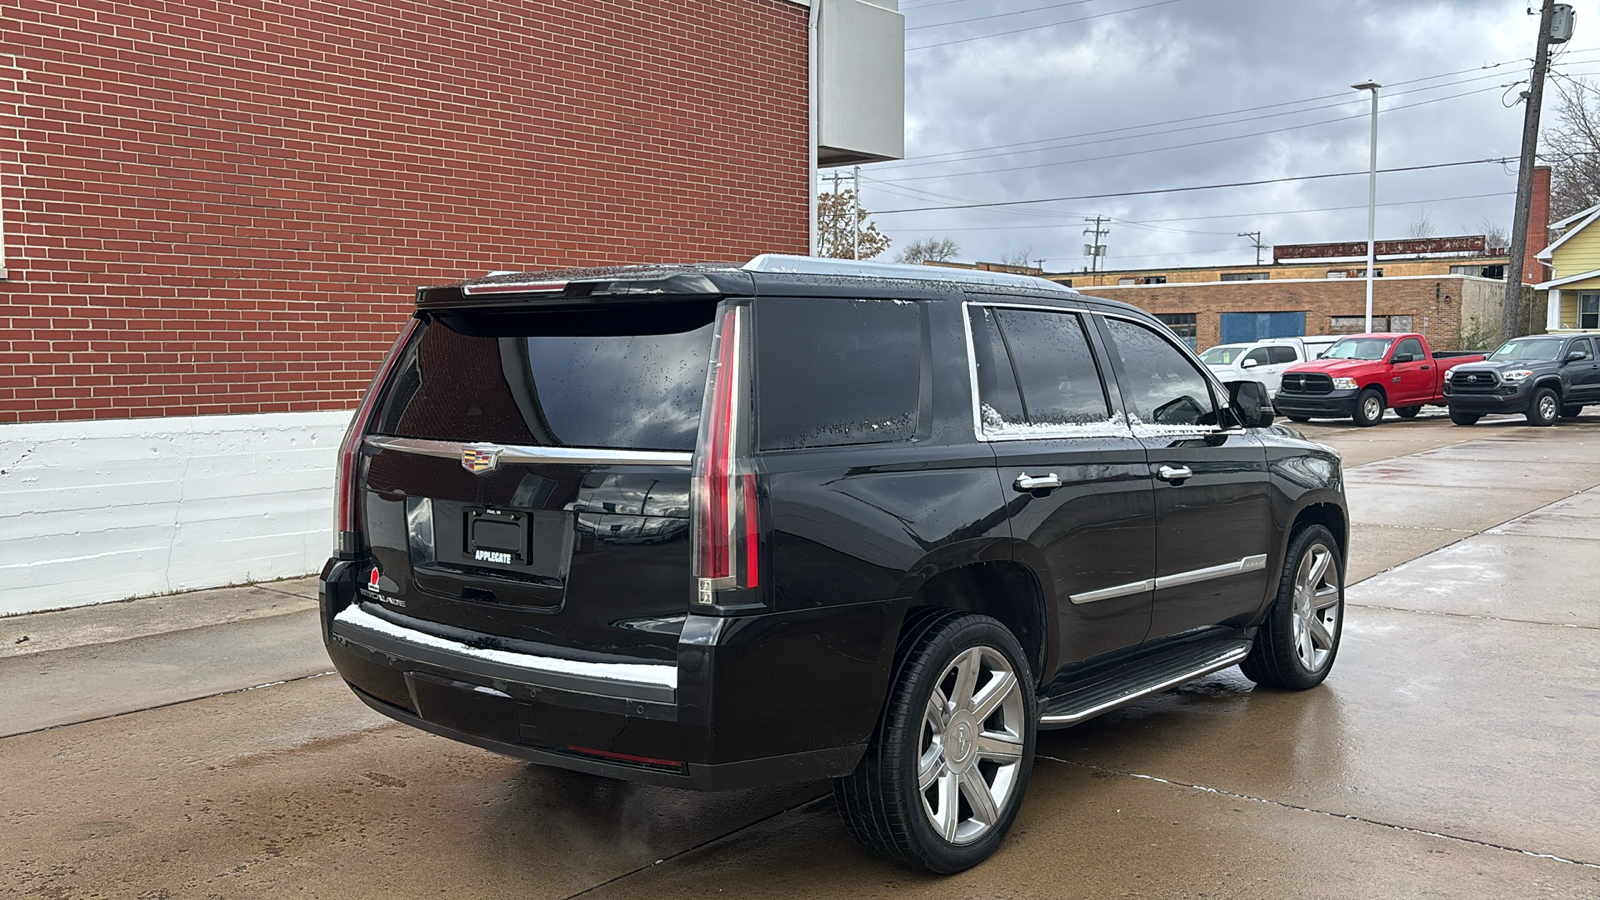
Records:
x=1264, y=360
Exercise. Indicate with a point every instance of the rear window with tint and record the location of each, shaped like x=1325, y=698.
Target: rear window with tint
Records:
x=619, y=378
x=832, y=372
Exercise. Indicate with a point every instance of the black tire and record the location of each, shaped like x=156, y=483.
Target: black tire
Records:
x=1544, y=408
x=1290, y=651
x=1464, y=418
x=1407, y=412
x=1299, y=419
x=881, y=802
x=1367, y=401
x=1571, y=412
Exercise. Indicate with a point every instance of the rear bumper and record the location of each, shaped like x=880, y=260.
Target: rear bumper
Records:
x=727, y=715
x=1336, y=405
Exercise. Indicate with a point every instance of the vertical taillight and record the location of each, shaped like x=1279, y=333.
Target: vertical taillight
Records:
x=346, y=530
x=726, y=520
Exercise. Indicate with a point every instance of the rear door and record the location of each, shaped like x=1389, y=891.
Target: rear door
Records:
x=528, y=478
x=1584, y=374
x=1080, y=492
x=1213, y=501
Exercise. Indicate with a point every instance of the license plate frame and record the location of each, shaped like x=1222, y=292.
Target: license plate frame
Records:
x=498, y=537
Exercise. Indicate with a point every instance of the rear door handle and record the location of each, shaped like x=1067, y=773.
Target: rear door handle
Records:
x=1174, y=473
x=1026, y=482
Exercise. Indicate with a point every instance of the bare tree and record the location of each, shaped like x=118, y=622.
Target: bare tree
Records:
x=1422, y=227
x=1572, y=145
x=1022, y=258
x=1495, y=237
x=841, y=238
x=928, y=250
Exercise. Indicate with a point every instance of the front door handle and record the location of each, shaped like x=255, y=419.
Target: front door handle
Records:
x=1026, y=482
x=1174, y=473
x=1426, y=368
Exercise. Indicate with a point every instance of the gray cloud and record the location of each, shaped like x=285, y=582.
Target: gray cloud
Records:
x=1151, y=68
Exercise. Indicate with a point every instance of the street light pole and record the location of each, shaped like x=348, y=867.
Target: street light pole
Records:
x=1372, y=195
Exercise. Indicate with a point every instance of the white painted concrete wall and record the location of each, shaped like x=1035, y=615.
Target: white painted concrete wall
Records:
x=92, y=512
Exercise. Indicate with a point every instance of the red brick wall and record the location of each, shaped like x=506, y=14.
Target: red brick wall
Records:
x=1534, y=271
x=223, y=206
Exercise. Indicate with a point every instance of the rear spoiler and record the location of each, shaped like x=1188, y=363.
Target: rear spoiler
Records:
x=628, y=285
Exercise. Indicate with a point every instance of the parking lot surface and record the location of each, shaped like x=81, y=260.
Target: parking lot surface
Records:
x=190, y=746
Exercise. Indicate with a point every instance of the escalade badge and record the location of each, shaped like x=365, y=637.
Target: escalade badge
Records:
x=478, y=460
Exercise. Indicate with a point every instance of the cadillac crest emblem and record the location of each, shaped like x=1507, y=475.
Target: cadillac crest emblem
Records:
x=480, y=459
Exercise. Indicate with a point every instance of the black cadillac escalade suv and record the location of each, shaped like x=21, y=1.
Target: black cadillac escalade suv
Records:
x=719, y=526
x=1542, y=376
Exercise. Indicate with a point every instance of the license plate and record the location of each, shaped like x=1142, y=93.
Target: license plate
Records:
x=496, y=536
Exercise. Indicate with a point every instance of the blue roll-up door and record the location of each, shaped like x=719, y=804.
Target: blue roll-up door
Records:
x=1242, y=328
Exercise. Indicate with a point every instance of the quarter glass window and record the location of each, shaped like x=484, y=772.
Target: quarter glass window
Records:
x=832, y=372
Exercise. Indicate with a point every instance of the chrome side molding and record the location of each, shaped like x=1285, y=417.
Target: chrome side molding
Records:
x=1247, y=564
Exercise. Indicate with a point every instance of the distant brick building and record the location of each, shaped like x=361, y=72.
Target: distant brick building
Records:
x=213, y=217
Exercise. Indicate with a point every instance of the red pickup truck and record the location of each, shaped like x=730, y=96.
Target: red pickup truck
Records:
x=1364, y=374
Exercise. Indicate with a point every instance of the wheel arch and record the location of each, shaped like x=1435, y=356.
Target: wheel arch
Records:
x=1322, y=511
x=1006, y=590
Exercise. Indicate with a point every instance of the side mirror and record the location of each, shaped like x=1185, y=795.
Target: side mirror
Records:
x=1399, y=358
x=1248, y=364
x=1248, y=400
x=1575, y=355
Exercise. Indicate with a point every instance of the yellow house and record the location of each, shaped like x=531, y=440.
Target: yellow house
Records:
x=1574, y=284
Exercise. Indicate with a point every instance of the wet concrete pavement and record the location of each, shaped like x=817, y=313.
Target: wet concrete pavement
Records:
x=1451, y=753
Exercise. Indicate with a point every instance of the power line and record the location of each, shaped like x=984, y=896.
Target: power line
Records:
x=1155, y=224
x=1185, y=146
x=908, y=161
x=1198, y=187
x=984, y=37
x=919, y=162
x=1003, y=15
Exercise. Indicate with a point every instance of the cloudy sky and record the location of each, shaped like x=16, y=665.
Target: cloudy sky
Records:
x=1020, y=100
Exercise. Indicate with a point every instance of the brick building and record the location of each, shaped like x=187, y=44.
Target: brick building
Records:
x=215, y=214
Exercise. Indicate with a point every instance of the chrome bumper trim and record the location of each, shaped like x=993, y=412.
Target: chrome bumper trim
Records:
x=514, y=453
x=536, y=669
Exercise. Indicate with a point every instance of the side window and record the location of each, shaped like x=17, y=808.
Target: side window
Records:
x=1411, y=346
x=832, y=372
x=1281, y=355
x=1261, y=356
x=1582, y=346
x=1035, y=371
x=1055, y=368
x=1163, y=387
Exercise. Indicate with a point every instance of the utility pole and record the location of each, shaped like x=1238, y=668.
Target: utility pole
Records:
x=1255, y=241
x=855, y=216
x=1530, y=145
x=1372, y=197
x=1096, y=250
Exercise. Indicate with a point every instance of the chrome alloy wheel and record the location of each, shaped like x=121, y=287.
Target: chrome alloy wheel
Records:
x=973, y=732
x=1316, y=607
x=1549, y=407
x=1372, y=408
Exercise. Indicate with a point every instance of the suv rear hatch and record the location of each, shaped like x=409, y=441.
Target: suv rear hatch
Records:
x=527, y=484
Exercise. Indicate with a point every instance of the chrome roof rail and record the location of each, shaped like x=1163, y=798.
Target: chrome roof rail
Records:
x=814, y=265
